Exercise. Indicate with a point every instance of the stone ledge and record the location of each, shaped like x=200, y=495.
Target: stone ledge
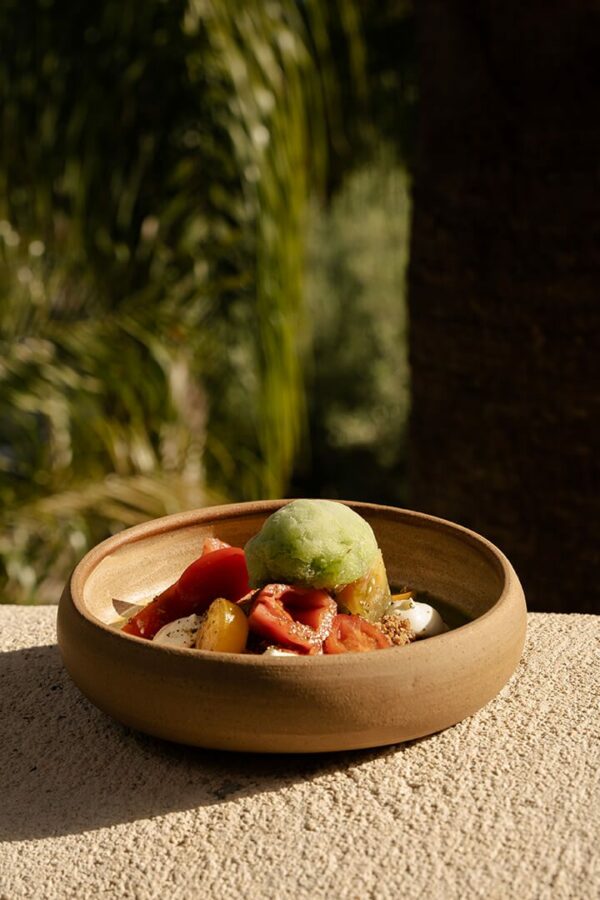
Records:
x=499, y=806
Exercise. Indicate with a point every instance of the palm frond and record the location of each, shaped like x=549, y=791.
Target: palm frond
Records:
x=151, y=284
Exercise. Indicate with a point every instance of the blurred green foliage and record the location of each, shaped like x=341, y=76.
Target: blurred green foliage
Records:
x=159, y=163
x=358, y=364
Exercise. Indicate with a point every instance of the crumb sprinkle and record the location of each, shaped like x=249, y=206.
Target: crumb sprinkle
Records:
x=398, y=630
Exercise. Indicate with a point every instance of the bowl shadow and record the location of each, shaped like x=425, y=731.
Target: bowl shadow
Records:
x=68, y=768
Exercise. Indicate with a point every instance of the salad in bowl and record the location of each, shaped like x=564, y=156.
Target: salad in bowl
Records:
x=312, y=581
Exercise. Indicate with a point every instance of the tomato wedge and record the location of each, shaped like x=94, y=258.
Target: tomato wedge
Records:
x=220, y=573
x=295, y=618
x=353, y=634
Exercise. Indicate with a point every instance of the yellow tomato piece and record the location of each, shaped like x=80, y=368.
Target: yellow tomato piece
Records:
x=368, y=596
x=225, y=628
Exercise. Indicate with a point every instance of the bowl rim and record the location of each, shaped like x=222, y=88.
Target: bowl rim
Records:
x=211, y=514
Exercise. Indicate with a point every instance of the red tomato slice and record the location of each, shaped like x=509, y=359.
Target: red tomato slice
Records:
x=353, y=634
x=221, y=573
x=294, y=618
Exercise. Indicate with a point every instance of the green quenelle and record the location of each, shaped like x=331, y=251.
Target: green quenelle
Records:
x=312, y=543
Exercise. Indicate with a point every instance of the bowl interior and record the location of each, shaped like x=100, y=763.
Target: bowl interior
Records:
x=453, y=564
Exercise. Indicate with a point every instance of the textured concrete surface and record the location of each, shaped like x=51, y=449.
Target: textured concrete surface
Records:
x=504, y=805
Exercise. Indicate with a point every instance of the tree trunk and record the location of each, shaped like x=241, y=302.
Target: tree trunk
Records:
x=504, y=285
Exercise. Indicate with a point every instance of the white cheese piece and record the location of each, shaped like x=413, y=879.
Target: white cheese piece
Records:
x=179, y=633
x=424, y=620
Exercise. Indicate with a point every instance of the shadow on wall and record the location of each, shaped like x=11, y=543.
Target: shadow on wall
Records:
x=67, y=768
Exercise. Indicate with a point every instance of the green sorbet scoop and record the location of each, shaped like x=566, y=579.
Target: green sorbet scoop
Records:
x=313, y=543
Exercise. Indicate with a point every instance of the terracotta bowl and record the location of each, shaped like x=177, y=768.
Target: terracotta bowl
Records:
x=298, y=704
